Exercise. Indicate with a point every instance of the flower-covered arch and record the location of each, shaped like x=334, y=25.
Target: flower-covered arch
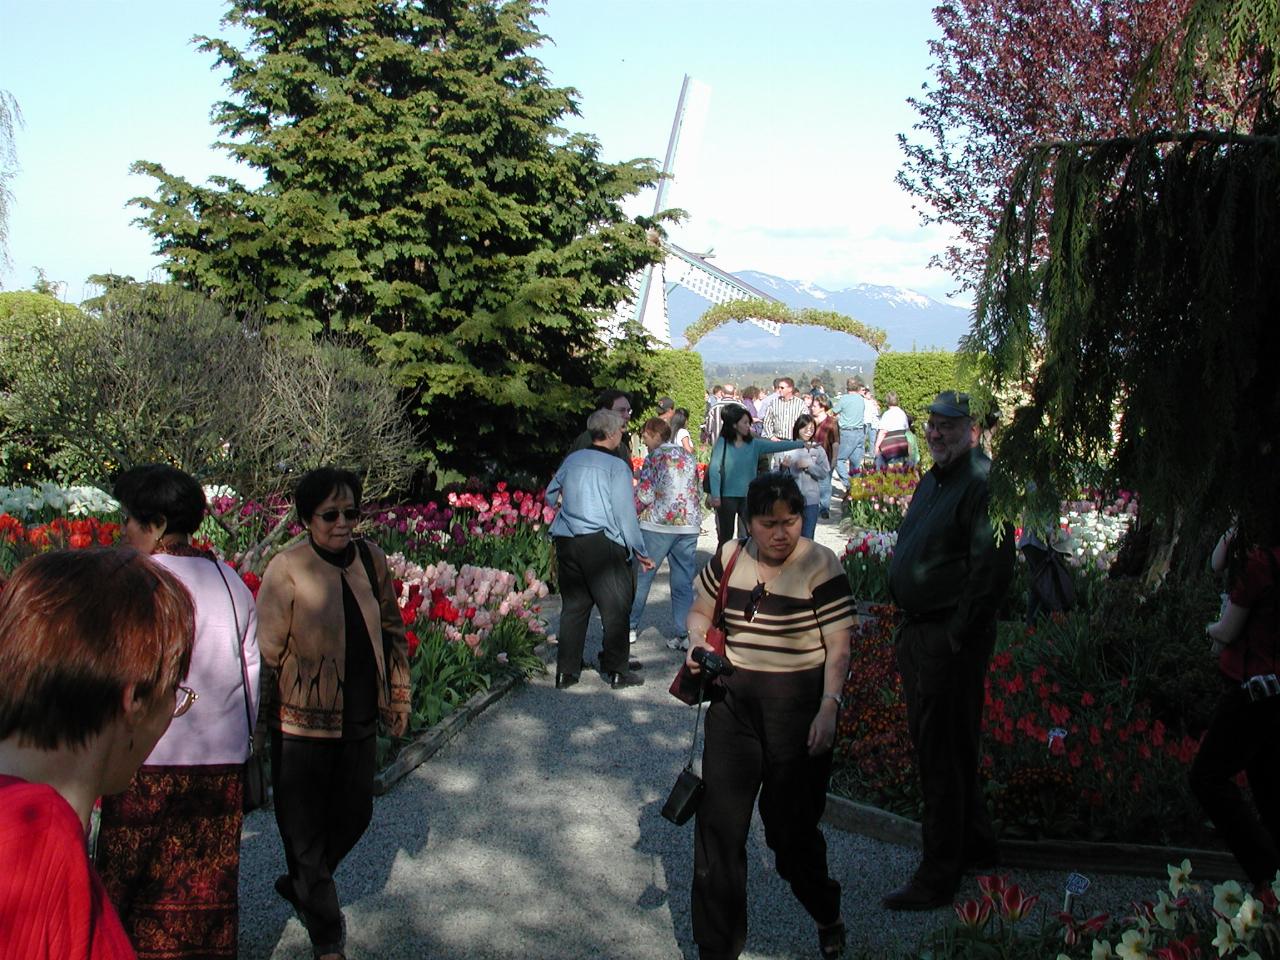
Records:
x=744, y=310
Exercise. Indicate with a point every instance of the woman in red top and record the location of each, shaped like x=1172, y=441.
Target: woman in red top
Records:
x=93, y=647
x=828, y=436
x=1244, y=733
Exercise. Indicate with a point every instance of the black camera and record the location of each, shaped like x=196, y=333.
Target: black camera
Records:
x=712, y=663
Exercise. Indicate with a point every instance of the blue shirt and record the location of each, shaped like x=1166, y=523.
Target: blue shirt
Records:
x=850, y=410
x=594, y=490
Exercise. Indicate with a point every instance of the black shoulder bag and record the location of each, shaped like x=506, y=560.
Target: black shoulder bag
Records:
x=687, y=792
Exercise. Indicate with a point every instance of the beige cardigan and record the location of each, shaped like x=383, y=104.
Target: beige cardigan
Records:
x=302, y=635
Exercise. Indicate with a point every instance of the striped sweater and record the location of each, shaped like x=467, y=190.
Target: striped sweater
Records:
x=808, y=600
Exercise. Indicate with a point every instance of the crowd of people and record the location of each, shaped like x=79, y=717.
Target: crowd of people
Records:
x=138, y=674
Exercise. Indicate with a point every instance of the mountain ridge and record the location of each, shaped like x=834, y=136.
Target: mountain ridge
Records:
x=911, y=320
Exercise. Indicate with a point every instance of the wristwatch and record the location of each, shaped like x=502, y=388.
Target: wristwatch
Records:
x=832, y=696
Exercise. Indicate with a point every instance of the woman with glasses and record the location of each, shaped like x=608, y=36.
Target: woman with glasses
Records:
x=332, y=637
x=787, y=620
x=94, y=645
x=169, y=846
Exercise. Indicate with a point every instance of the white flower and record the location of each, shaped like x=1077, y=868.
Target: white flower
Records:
x=1226, y=940
x=1165, y=912
x=1132, y=946
x=1247, y=921
x=1179, y=877
x=1227, y=898
x=1101, y=950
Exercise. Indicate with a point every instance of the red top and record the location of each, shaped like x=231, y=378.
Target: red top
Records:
x=1255, y=651
x=52, y=904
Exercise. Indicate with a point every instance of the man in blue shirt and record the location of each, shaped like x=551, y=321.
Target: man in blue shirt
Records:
x=850, y=409
x=596, y=535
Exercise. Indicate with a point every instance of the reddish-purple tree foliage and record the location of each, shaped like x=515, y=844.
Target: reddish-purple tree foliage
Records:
x=1008, y=74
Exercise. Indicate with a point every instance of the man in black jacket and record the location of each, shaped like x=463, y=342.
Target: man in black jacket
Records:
x=948, y=576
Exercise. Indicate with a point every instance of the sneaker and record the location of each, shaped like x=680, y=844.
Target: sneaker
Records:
x=825, y=514
x=633, y=637
x=678, y=643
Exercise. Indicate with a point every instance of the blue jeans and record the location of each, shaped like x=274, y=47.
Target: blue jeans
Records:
x=680, y=550
x=824, y=493
x=809, y=520
x=852, y=443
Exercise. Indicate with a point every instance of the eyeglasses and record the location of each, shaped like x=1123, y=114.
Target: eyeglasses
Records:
x=331, y=516
x=753, y=601
x=184, y=699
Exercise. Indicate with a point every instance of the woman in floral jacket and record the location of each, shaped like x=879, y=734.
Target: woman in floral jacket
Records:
x=668, y=499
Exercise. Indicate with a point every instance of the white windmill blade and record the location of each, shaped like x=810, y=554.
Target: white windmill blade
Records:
x=650, y=287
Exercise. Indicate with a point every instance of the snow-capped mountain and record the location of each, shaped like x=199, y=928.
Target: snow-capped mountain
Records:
x=911, y=319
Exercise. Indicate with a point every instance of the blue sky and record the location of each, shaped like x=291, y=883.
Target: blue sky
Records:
x=792, y=173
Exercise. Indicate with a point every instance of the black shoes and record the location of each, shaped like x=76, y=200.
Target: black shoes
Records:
x=565, y=680
x=831, y=941
x=915, y=896
x=623, y=678
x=634, y=665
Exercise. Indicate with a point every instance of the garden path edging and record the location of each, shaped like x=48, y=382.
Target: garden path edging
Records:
x=430, y=741
x=1133, y=859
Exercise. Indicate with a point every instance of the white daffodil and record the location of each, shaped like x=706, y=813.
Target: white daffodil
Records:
x=1132, y=946
x=1226, y=940
x=1165, y=912
x=1248, y=919
x=1227, y=898
x=1179, y=877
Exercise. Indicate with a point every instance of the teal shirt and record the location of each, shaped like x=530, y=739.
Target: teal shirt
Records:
x=850, y=410
x=740, y=463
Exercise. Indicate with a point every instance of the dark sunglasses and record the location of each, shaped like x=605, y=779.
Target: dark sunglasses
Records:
x=753, y=602
x=329, y=516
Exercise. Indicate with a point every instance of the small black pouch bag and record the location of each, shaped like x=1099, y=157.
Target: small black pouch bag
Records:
x=687, y=792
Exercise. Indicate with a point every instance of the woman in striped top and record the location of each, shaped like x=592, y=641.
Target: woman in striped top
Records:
x=787, y=616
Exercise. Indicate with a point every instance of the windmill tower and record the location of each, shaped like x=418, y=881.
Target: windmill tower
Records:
x=680, y=267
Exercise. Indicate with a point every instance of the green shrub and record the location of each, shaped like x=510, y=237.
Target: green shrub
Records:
x=917, y=378
x=678, y=375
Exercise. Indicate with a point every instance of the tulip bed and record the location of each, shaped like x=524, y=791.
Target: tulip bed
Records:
x=1183, y=921
x=470, y=572
x=1092, y=717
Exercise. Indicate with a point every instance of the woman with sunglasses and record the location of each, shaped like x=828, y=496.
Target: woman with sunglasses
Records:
x=169, y=846
x=787, y=619
x=332, y=637
x=94, y=646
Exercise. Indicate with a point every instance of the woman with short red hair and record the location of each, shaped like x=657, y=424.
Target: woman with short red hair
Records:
x=94, y=645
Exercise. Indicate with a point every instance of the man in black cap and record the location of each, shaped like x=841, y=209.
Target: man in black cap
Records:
x=948, y=576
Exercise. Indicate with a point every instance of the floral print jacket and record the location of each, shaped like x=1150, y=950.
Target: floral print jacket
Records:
x=669, y=492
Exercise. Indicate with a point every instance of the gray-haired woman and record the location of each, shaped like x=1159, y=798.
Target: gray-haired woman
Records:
x=597, y=536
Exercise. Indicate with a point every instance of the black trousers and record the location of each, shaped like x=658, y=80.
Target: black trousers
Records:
x=594, y=572
x=944, y=694
x=1243, y=735
x=731, y=510
x=756, y=744
x=324, y=802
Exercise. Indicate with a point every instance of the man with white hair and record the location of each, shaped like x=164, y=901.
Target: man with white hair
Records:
x=949, y=573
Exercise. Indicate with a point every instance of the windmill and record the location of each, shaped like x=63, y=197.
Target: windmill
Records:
x=681, y=267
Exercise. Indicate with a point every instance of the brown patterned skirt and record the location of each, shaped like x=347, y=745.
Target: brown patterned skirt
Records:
x=169, y=854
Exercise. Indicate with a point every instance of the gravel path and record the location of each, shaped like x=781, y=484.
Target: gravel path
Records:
x=535, y=834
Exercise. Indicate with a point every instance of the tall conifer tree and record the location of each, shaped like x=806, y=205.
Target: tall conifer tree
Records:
x=417, y=191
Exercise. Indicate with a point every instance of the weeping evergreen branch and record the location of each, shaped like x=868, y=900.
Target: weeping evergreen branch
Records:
x=1146, y=324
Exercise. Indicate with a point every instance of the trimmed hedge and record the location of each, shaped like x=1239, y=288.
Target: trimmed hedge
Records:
x=917, y=378
x=678, y=374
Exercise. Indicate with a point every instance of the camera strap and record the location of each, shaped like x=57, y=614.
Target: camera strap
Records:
x=697, y=719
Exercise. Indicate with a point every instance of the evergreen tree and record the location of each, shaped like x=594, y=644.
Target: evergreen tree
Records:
x=417, y=192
